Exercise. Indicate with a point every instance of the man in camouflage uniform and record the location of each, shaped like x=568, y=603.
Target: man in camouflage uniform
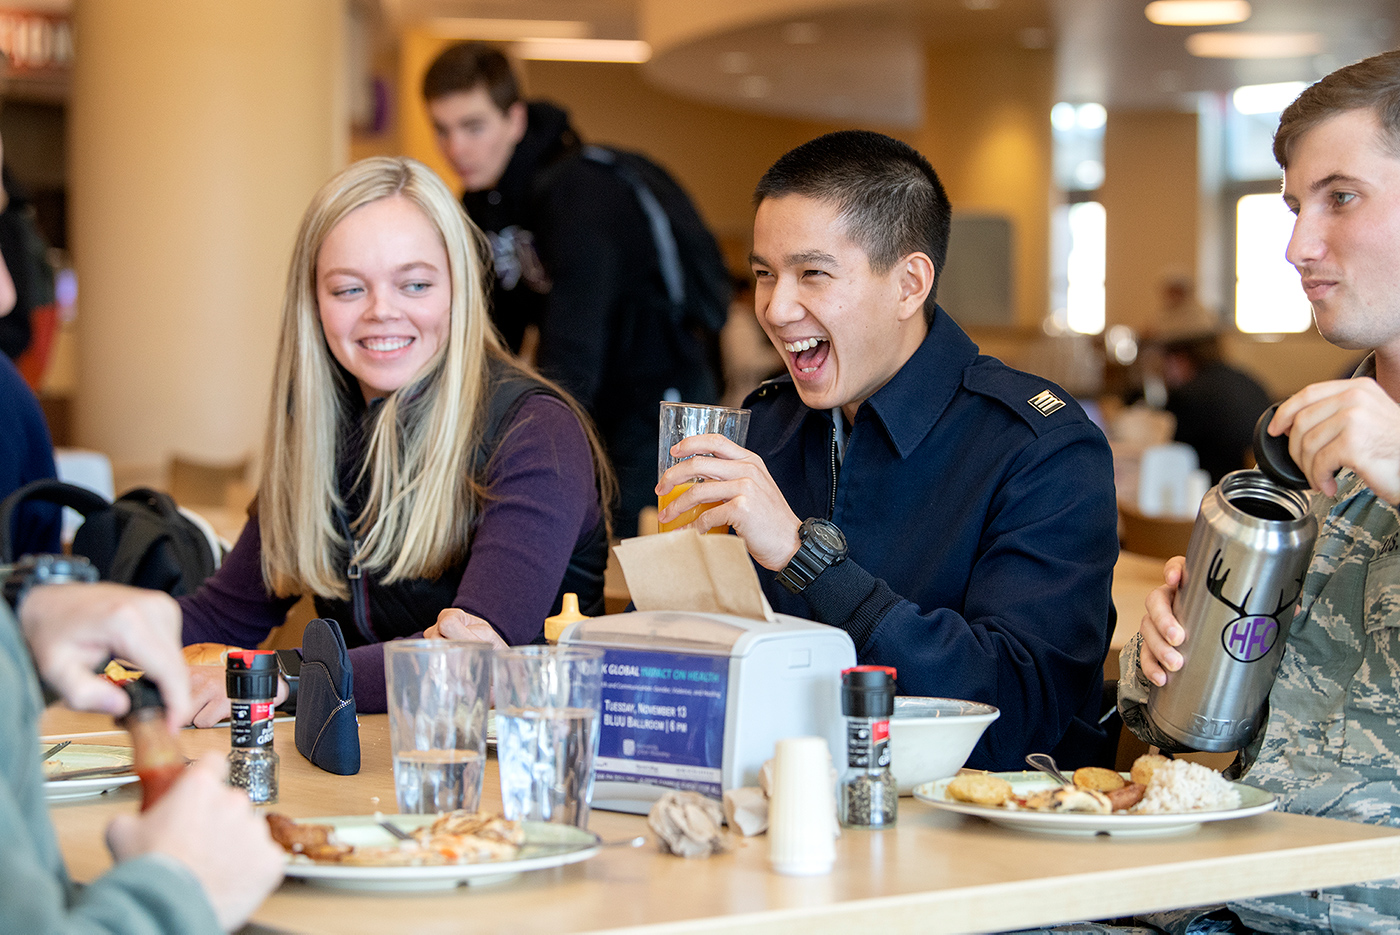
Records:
x=1331, y=742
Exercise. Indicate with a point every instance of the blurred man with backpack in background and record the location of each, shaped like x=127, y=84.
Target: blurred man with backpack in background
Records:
x=597, y=248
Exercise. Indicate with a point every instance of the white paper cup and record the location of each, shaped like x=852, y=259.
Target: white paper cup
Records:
x=802, y=810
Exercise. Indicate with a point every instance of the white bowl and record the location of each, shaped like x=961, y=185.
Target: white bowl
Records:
x=931, y=738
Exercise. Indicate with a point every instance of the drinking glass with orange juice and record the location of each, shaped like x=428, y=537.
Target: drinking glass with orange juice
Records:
x=682, y=420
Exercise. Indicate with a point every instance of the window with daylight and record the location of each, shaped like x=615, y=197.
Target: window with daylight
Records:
x=1078, y=228
x=1269, y=298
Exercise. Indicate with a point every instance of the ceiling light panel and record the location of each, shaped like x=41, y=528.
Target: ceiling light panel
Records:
x=1254, y=44
x=632, y=51
x=1197, y=12
x=509, y=30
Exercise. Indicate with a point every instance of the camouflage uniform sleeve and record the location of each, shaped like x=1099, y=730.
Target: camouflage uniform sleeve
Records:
x=1132, y=700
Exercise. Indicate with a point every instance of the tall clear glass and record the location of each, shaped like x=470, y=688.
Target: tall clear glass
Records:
x=682, y=420
x=439, y=692
x=547, y=703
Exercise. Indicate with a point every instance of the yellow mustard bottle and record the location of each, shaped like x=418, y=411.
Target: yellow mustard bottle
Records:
x=568, y=613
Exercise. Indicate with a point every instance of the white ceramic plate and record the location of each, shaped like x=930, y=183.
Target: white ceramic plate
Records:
x=75, y=757
x=1252, y=802
x=546, y=845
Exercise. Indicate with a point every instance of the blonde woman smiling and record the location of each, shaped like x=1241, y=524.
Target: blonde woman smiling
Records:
x=415, y=477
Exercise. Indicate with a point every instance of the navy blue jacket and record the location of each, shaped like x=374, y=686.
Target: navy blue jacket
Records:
x=26, y=454
x=982, y=536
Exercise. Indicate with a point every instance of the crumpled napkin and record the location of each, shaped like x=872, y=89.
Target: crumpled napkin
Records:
x=746, y=810
x=688, y=824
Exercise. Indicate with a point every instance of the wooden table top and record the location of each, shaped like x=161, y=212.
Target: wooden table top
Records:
x=934, y=872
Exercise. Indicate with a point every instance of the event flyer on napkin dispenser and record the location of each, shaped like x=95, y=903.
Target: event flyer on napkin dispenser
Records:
x=663, y=719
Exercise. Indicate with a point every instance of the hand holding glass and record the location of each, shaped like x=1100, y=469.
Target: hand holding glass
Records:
x=682, y=420
x=439, y=691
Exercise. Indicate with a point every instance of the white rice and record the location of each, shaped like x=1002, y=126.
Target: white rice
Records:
x=1183, y=786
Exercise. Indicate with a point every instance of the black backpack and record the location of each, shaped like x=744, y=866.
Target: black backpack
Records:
x=697, y=280
x=141, y=539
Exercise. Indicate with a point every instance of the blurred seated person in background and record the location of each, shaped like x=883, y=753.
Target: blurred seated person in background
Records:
x=954, y=516
x=574, y=257
x=1215, y=403
x=200, y=860
x=411, y=464
x=26, y=449
x=1330, y=741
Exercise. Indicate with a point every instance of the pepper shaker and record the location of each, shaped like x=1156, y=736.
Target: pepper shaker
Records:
x=251, y=679
x=869, y=792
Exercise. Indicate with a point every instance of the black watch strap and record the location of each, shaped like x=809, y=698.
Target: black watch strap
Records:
x=822, y=545
x=33, y=570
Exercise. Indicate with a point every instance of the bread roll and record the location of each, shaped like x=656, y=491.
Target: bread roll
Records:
x=1145, y=765
x=208, y=654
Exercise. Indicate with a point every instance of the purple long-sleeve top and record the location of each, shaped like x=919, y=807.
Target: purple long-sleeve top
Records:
x=543, y=500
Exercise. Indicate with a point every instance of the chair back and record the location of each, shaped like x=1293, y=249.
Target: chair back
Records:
x=204, y=483
x=1157, y=536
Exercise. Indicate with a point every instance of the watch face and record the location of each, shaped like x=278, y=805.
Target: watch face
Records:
x=828, y=537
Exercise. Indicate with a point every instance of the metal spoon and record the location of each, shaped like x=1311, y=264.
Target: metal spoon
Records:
x=1047, y=765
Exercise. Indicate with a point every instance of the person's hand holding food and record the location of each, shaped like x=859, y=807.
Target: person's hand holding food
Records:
x=212, y=830
x=1161, y=631
x=73, y=629
x=746, y=496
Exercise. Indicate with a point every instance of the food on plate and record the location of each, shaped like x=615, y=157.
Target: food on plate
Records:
x=208, y=654
x=119, y=674
x=980, y=789
x=313, y=841
x=1183, y=786
x=1158, y=786
x=1144, y=766
x=1126, y=796
x=454, y=838
x=1098, y=779
x=1068, y=799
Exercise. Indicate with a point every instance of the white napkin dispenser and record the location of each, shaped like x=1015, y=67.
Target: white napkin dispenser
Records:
x=697, y=701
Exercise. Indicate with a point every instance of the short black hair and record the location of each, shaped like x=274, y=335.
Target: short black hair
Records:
x=469, y=65
x=888, y=195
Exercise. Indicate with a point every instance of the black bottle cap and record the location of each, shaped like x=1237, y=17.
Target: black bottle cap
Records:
x=143, y=694
x=1272, y=457
x=251, y=674
x=867, y=691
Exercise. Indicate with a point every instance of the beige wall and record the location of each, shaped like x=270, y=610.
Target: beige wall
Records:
x=198, y=133
x=987, y=133
x=1150, y=202
x=717, y=154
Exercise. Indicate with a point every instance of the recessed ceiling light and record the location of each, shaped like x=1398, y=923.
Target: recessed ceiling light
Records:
x=735, y=63
x=981, y=4
x=755, y=86
x=508, y=30
x=583, y=50
x=801, y=33
x=1266, y=98
x=1253, y=44
x=1197, y=12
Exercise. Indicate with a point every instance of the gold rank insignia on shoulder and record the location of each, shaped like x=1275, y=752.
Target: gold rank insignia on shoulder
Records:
x=1046, y=402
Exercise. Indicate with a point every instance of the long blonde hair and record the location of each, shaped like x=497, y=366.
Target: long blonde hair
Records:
x=422, y=493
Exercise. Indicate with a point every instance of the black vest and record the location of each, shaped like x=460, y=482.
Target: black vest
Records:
x=403, y=608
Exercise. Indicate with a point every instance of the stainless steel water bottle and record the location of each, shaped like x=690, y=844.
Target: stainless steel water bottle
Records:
x=1244, y=571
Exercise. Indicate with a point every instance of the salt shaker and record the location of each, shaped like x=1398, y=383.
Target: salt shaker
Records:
x=251, y=678
x=869, y=792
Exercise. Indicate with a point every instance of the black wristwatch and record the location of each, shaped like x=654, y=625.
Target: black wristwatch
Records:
x=822, y=546
x=33, y=570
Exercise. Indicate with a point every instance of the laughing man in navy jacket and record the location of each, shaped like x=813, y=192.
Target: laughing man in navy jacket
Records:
x=954, y=516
